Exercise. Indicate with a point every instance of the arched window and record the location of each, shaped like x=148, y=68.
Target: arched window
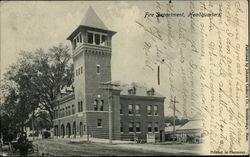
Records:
x=101, y=105
x=95, y=104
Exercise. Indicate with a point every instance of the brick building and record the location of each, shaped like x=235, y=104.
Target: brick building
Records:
x=94, y=101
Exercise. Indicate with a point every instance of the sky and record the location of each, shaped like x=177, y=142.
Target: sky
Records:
x=27, y=26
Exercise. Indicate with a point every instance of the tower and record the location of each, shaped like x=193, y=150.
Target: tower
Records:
x=91, y=51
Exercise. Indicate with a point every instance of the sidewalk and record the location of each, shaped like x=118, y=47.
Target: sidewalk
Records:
x=98, y=140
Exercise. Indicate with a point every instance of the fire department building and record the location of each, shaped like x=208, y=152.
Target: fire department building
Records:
x=94, y=103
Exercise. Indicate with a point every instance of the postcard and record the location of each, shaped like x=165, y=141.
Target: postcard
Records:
x=124, y=78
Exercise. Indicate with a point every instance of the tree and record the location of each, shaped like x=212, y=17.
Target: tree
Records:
x=54, y=71
x=37, y=78
x=170, y=119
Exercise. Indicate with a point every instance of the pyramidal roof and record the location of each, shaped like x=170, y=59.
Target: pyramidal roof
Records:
x=91, y=19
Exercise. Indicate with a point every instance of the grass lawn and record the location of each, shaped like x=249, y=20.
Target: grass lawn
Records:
x=67, y=148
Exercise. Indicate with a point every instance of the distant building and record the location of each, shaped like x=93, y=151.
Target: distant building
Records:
x=169, y=132
x=84, y=108
x=191, y=132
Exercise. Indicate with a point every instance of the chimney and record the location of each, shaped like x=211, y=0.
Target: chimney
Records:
x=132, y=90
x=151, y=92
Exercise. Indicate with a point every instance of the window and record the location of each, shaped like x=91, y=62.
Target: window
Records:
x=149, y=110
x=81, y=106
x=155, y=110
x=104, y=40
x=76, y=72
x=121, y=127
x=97, y=39
x=80, y=39
x=81, y=69
x=98, y=69
x=131, y=127
x=95, y=105
x=101, y=105
x=150, y=127
x=121, y=111
x=156, y=127
x=63, y=112
x=69, y=110
x=73, y=109
x=90, y=38
x=54, y=114
x=138, y=127
x=137, y=109
x=99, y=123
x=77, y=41
x=130, y=109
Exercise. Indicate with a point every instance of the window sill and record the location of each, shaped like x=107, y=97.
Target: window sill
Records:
x=99, y=126
x=134, y=115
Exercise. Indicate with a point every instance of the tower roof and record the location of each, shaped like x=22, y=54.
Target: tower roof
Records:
x=91, y=19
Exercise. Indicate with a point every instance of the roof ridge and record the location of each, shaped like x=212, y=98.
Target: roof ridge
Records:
x=91, y=19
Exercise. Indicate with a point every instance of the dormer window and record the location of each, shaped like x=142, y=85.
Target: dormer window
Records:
x=78, y=40
x=97, y=38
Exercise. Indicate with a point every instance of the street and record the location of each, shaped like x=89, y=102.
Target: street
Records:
x=64, y=147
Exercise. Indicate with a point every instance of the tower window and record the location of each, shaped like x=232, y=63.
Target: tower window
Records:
x=90, y=38
x=73, y=109
x=104, y=40
x=121, y=127
x=99, y=123
x=95, y=105
x=101, y=105
x=80, y=109
x=97, y=39
x=121, y=109
x=78, y=40
x=98, y=69
x=81, y=69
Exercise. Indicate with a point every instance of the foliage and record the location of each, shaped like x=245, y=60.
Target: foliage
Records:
x=170, y=119
x=35, y=81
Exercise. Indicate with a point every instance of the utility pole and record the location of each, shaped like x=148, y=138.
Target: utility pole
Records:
x=110, y=116
x=33, y=126
x=174, y=102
